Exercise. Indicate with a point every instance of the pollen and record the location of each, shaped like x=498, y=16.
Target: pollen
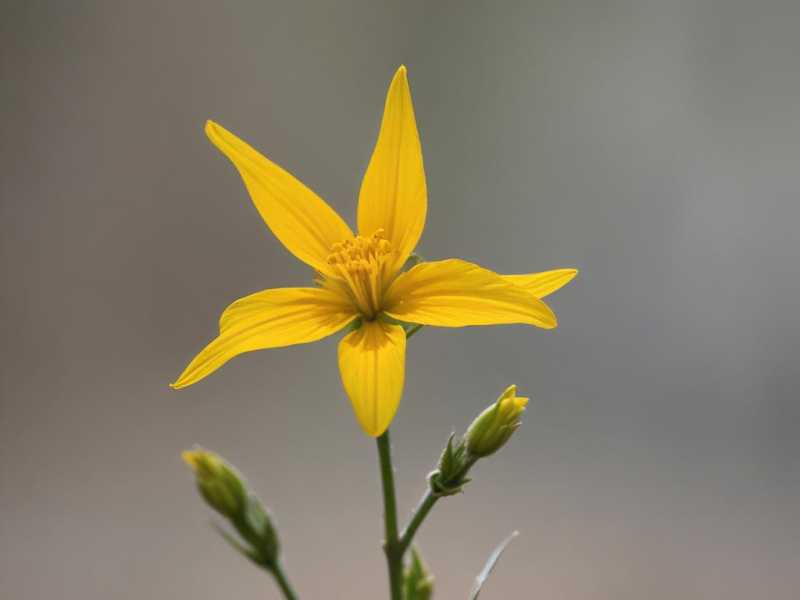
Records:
x=361, y=270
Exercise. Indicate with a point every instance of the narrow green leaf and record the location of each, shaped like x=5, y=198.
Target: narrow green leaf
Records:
x=490, y=564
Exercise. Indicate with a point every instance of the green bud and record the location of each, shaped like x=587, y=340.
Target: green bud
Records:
x=450, y=476
x=417, y=580
x=224, y=489
x=495, y=425
x=218, y=482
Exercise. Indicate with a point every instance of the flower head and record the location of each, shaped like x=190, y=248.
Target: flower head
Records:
x=360, y=276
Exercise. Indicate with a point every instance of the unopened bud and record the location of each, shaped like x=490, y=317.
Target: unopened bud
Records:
x=495, y=425
x=218, y=482
x=224, y=489
x=417, y=580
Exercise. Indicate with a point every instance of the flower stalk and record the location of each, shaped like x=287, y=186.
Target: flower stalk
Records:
x=428, y=500
x=391, y=544
x=283, y=582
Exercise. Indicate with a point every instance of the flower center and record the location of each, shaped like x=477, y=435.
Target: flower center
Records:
x=361, y=265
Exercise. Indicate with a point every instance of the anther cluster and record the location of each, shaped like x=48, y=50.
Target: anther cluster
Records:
x=360, y=265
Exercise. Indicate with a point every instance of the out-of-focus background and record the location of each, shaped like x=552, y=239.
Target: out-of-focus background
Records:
x=653, y=145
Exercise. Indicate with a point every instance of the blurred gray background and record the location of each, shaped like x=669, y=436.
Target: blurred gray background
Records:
x=653, y=145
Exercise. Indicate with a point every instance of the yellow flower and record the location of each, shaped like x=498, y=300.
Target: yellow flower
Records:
x=360, y=276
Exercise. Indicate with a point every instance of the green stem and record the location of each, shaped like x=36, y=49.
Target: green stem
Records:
x=412, y=330
x=423, y=508
x=283, y=581
x=391, y=544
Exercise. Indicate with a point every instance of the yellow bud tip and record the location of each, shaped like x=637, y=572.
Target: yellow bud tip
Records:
x=509, y=392
x=203, y=462
x=191, y=458
x=509, y=405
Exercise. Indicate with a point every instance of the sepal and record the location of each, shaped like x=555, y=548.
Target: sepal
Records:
x=236, y=544
x=451, y=476
x=258, y=529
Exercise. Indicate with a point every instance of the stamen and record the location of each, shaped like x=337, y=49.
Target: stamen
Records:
x=360, y=265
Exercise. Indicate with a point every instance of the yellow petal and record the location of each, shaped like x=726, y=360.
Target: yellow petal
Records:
x=300, y=219
x=543, y=284
x=270, y=319
x=456, y=293
x=393, y=195
x=372, y=364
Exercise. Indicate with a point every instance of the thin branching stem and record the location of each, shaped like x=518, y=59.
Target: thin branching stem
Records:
x=391, y=544
x=423, y=508
x=283, y=581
